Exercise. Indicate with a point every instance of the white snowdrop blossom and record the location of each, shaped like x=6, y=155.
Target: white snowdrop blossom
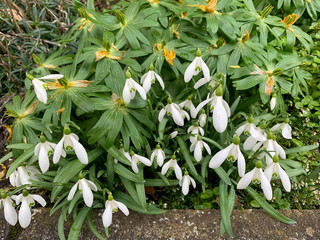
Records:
x=275, y=170
x=195, y=67
x=285, y=129
x=257, y=176
x=250, y=129
x=44, y=149
x=130, y=88
x=27, y=201
x=70, y=142
x=126, y=154
x=136, y=159
x=273, y=101
x=197, y=147
x=10, y=214
x=112, y=206
x=271, y=146
x=172, y=163
x=159, y=154
x=22, y=175
x=86, y=187
x=173, y=110
x=188, y=105
x=173, y=134
x=219, y=108
x=231, y=153
x=40, y=87
x=202, y=118
x=185, y=182
x=195, y=130
x=150, y=78
x=250, y=142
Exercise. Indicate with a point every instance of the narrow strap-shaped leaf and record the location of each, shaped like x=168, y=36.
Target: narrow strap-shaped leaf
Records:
x=110, y=171
x=16, y=163
x=6, y=157
x=162, y=126
x=269, y=209
x=160, y=183
x=124, y=172
x=73, y=202
x=22, y=146
x=93, y=228
x=301, y=149
x=77, y=224
x=61, y=221
x=223, y=175
x=130, y=188
x=225, y=203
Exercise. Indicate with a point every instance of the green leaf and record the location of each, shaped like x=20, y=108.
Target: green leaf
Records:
x=162, y=126
x=77, y=224
x=16, y=163
x=266, y=206
x=223, y=175
x=21, y=146
x=6, y=157
x=93, y=228
x=81, y=101
x=124, y=172
x=226, y=206
x=301, y=149
x=62, y=219
x=160, y=183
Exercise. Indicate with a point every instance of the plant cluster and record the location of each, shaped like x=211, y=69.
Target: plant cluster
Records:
x=160, y=93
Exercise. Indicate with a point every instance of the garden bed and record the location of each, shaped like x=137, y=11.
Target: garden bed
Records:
x=176, y=224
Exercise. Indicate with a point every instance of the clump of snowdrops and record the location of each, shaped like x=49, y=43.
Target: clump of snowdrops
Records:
x=153, y=98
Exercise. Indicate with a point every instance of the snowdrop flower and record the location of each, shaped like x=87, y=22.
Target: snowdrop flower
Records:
x=197, y=147
x=40, y=87
x=172, y=163
x=85, y=187
x=126, y=154
x=232, y=153
x=285, y=128
x=188, y=105
x=202, y=118
x=69, y=142
x=195, y=130
x=257, y=176
x=173, y=110
x=22, y=175
x=195, y=67
x=44, y=149
x=173, y=134
x=10, y=213
x=111, y=207
x=130, y=88
x=149, y=78
x=275, y=170
x=27, y=201
x=159, y=155
x=185, y=182
x=250, y=129
x=273, y=101
x=250, y=142
x=136, y=159
x=271, y=146
x=220, y=110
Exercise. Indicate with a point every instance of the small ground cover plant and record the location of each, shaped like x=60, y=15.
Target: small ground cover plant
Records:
x=160, y=93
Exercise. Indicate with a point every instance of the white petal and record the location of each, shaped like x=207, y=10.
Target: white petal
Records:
x=286, y=131
x=241, y=163
x=134, y=166
x=74, y=136
x=256, y=134
x=190, y=71
x=107, y=216
x=52, y=76
x=86, y=192
x=226, y=107
x=177, y=171
x=80, y=151
x=153, y=154
x=143, y=78
x=160, y=158
x=144, y=160
x=43, y=160
x=58, y=151
x=123, y=208
x=72, y=191
x=240, y=130
x=257, y=146
x=177, y=117
x=275, y=127
x=37, y=149
x=285, y=179
x=200, y=82
x=198, y=151
x=193, y=182
x=40, y=91
x=24, y=214
x=219, y=117
x=205, y=69
x=206, y=146
x=10, y=213
x=249, y=143
x=201, y=105
x=39, y=199
x=165, y=168
x=161, y=114
x=126, y=93
x=246, y=179
x=266, y=187
x=269, y=171
x=160, y=80
x=92, y=185
x=140, y=90
x=279, y=150
x=219, y=157
x=185, y=186
x=146, y=79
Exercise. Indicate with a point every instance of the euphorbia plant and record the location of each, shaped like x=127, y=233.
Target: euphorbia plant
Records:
x=109, y=138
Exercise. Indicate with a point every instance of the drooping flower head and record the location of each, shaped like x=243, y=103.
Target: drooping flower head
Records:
x=197, y=147
x=195, y=67
x=150, y=78
x=202, y=118
x=112, y=206
x=136, y=159
x=231, y=153
x=22, y=175
x=172, y=163
x=158, y=154
x=250, y=129
x=273, y=101
x=188, y=105
x=285, y=128
x=70, y=142
x=185, y=182
x=10, y=213
x=130, y=88
x=173, y=110
x=257, y=176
